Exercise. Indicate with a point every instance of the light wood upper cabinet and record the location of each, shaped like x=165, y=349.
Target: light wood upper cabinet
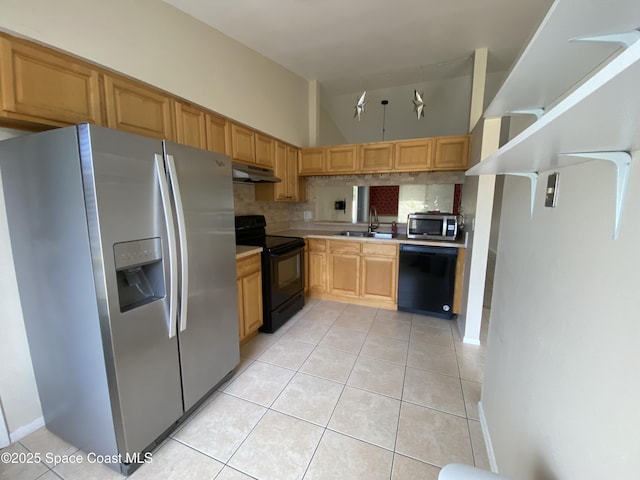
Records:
x=341, y=159
x=292, y=187
x=375, y=157
x=451, y=153
x=137, y=108
x=242, y=144
x=296, y=186
x=190, y=125
x=217, y=129
x=264, y=148
x=312, y=161
x=43, y=86
x=413, y=155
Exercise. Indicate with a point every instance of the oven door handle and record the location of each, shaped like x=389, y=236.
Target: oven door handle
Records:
x=288, y=253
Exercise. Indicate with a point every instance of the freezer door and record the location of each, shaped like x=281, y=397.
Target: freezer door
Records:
x=208, y=324
x=131, y=257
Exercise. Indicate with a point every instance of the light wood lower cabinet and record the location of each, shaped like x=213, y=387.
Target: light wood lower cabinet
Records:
x=360, y=272
x=317, y=251
x=249, y=284
x=380, y=271
x=344, y=268
x=43, y=86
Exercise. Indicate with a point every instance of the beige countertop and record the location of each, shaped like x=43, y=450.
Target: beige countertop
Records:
x=245, y=251
x=400, y=238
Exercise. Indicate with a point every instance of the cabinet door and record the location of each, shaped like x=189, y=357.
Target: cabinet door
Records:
x=413, y=155
x=136, y=108
x=190, y=125
x=264, y=148
x=344, y=274
x=452, y=153
x=317, y=271
x=281, y=170
x=295, y=184
x=312, y=161
x=43, y=86
x=341, y=159
x=376, y=157
x=242, y=146
x=252, y=301
x=379, y=278
x=217, y=134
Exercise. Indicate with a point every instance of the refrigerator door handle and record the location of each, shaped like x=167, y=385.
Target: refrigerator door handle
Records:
x=182, y=232
x=171, y=242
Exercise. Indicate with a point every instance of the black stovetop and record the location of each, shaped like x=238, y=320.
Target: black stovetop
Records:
x=250, y=230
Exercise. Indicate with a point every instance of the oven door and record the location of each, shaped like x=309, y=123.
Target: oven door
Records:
x=287, y=275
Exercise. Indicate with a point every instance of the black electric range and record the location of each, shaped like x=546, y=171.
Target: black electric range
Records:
x=282, y=270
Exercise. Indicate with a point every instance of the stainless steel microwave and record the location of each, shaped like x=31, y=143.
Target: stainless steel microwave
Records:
x=432, y=226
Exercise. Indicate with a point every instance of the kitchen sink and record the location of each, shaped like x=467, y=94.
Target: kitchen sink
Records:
x=355, y=233
x=352, y=233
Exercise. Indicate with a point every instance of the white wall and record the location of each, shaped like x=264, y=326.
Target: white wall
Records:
x=156, y=43
x=446, y=113
x=18, y=390
x=561, y=387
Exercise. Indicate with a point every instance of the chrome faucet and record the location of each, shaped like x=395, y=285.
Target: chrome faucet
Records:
x=373, y=219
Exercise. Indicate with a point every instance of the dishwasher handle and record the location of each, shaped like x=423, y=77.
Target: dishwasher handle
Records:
x=425, y=249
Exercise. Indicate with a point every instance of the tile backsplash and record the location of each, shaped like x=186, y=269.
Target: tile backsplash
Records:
x=279, y=215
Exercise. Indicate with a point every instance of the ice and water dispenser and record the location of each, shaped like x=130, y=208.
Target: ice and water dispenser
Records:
x=139, y=272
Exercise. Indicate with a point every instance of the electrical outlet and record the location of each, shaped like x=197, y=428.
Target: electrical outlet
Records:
x=307, y=215
x=551, y=195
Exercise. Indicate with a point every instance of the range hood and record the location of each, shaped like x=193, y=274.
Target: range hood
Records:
x=252, y=174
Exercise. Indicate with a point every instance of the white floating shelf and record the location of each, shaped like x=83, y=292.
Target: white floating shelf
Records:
x=551, y=65
x=602, y=115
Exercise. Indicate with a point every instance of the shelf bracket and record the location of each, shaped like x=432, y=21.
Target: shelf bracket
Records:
x=538, y=112
x=622, y=162
x=624, y=38
x=533, y=176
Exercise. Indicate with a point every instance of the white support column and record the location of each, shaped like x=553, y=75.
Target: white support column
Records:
x=477, y=86
x=314, y=113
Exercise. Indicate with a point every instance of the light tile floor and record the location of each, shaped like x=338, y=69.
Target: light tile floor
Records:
x=340, y=391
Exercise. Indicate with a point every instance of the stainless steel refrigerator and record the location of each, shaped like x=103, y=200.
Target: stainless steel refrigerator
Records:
x=125, y=258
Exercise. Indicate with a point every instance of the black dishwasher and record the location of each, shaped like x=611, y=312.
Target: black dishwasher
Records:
x=426, y=280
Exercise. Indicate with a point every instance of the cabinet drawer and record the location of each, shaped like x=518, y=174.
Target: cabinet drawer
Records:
x=340, y=246
x=316, y=245
x=248, y=265
x=380, y=249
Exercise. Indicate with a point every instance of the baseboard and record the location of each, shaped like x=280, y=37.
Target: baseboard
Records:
x=25, y=430
x=471, y=341
x=4, y=435
x=487, y=439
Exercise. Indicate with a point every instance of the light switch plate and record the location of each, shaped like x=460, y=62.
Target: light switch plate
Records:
x=551, y=195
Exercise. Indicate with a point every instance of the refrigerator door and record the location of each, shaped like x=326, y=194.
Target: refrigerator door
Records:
x=131, y=257
x=208, y=325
